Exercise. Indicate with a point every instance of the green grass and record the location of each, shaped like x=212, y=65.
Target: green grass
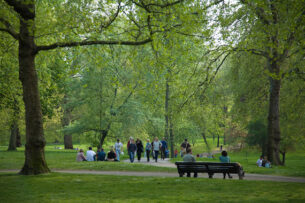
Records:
x=295, y=163
x=57, y=187
x=66, y=159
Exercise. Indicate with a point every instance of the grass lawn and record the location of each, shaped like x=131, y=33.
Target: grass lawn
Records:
x=66, y=159
x=295, y=163
x=57, y=187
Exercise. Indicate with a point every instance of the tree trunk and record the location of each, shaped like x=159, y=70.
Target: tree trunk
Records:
x=104, y=134
x=171, y=137
x=205, y=141
x=18, y=138
x=13, y=137
x=35, y=162
x=217, y=140
x=14, y=127
x=68, y=141
x=166, y=110
x=66, y=122
x=274, y=137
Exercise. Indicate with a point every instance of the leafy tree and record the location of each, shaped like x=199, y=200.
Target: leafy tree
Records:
x=272, y=30
x=35, y=23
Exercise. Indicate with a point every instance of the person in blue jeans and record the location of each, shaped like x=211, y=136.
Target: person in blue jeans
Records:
x=163, y=148
x=156, y=147
x=131, y=150
x=148, y=149
x=118, y=146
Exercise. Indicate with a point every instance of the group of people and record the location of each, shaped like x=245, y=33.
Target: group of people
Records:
x=151, y=148
x=133, y=148
x=263, y=162
x=100, y=155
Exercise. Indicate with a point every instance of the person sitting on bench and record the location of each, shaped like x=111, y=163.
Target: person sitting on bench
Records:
x=224, y=158
x=189, y=158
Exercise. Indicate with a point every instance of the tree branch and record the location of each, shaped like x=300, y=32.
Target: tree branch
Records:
x=207, y=81
x=25, y=11
x=258, y=11
x=127, y=98
x=252, y=51
x=87, y=43
x=9, y=29
x=164, y=5
x=112, y=19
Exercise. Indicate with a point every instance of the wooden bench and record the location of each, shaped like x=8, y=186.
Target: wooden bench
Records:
x=210, y=168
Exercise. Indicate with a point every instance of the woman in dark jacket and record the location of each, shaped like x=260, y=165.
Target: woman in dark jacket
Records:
x=131, y=150
x=139, y=149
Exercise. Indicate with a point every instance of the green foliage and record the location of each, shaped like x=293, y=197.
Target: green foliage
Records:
x=257, y=134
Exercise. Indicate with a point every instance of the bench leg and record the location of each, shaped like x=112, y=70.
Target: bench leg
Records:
x=241, y=175
x=181, y=174
x=211, y=175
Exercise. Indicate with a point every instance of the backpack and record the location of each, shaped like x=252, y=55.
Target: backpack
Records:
x=148, y=146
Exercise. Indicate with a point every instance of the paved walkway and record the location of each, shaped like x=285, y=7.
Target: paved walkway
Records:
x=248, y=176
x=258, y=177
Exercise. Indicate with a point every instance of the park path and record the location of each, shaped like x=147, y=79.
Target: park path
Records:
x=248, y=176
x=258, y=177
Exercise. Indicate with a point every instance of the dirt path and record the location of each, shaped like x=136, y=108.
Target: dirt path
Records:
x=258, y=177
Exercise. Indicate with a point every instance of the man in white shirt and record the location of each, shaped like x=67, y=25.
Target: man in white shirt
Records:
x=118, y=146
x=259, y=161
x=90, y=154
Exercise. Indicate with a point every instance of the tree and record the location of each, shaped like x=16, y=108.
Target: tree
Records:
x=23, y=14
x=10, y=94
x=272, y=30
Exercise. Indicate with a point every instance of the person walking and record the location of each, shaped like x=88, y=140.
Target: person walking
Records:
x=156, y=147
x=163, y=148
x=184, y=146
x=224, y=158
x=148, y=149
x=132, y=147
x=118, y=147
x=139, y=149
